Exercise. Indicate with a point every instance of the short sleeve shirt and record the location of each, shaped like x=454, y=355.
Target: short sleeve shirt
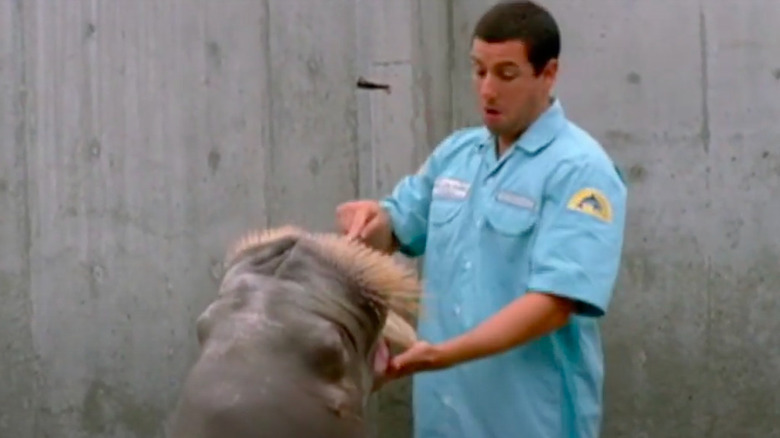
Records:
x=548, y=215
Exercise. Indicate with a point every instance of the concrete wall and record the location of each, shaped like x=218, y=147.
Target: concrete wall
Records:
x=685, y=95
x=403, y=43
x=141, y=137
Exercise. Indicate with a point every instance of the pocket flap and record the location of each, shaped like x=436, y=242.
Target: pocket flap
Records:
x=510, y=219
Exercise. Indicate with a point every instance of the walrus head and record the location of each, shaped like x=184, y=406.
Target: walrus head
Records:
x=318, y=307
x=373, y=281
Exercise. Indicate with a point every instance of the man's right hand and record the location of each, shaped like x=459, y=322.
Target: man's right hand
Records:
x=366, y=221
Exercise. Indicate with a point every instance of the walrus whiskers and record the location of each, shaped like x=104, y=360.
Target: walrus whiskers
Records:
x=394, y=284
x=291, y=343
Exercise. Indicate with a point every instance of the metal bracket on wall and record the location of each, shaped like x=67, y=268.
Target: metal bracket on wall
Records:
x=370, y=85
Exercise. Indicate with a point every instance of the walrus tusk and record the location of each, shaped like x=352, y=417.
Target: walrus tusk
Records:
x=290, y=343
x=398, y=331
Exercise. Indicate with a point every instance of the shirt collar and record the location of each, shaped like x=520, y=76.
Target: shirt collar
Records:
x=541, y=132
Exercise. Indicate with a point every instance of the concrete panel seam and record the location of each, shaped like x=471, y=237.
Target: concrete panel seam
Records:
x=22, y=142
x=269, y=139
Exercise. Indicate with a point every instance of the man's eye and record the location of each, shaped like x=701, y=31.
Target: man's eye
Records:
x=508, y=74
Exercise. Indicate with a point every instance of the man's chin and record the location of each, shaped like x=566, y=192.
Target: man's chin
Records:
x=496, y=129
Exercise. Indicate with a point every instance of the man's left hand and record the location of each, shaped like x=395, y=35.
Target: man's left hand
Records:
x=422, y=356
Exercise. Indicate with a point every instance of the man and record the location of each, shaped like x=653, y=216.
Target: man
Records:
x=521, y=223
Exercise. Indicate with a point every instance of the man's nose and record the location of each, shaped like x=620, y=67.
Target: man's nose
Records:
x=487, y=87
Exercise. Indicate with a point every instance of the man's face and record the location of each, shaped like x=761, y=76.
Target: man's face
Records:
x=511, y=95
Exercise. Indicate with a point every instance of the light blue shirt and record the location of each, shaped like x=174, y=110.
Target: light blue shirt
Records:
x=548, y=215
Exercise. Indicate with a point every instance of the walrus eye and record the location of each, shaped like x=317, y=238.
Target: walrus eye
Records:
x=374, y=307
x=292, y=336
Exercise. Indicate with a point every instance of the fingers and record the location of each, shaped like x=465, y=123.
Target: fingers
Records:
x=420, y=357
x=371, y=227
x=344, y=215
x=358, y=223
x=357, y=219
x=395, y=372
x=350, y=218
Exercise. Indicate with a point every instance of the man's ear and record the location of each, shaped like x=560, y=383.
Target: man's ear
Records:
x=549, y=73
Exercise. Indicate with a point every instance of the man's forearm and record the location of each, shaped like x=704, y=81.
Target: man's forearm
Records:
x=528, y=317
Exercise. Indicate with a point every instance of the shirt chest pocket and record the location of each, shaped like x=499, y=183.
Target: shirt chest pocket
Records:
x=449, y=197
x=509, y=231
x=443, y=212
x=443, y=219
x=511, y=212
x=510, y=220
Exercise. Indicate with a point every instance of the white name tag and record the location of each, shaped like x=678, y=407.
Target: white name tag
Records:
x=450, y=188
x=515, y=199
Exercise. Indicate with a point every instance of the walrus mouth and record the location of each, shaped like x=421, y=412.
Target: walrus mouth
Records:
x=386, y=283
x=381, y=358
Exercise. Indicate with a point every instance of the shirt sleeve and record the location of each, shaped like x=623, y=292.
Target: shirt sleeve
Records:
x=408, y=205
x=409, y=202
x=578, y=248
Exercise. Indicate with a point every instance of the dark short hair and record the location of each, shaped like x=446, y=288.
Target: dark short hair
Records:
x=525, y=21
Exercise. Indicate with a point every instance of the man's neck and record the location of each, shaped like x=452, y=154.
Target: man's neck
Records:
x=504, y=142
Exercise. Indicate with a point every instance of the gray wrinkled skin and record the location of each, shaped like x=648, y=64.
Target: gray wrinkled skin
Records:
x=286, y=351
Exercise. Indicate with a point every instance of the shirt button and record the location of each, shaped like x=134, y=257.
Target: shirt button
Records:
x=467, y=265
x=479, y=222
x=456, y=309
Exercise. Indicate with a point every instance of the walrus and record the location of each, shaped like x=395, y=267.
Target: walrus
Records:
x=289, y=346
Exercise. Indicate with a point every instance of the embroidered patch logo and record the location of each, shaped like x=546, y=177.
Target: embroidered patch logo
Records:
x=450, y=188
x=593, y=202
x=515, y=199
